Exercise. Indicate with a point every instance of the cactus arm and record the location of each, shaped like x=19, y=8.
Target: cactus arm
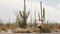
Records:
x=21, y=14
x=44, y=13
x=39, y=16
x=28, y=14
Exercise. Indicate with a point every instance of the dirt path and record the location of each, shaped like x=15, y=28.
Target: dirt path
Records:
x=29, y=33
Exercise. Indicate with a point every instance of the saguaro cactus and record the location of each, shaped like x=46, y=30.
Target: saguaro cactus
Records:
x=42, y=13
x=42, y=16
x=24, y=15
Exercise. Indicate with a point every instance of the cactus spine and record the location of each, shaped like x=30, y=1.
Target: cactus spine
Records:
x=24, y=15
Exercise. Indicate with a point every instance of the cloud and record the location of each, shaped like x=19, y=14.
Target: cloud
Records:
x=52, y=13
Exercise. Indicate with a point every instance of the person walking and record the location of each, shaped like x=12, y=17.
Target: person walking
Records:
x=39, y=25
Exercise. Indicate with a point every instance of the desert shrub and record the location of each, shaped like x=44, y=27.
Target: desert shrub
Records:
x=58, y=26
x=45, y=29
x=4, y=28
x=18, y=31
x=35, y=29
x=1, y=24
x=21, y=25
x=8, y=24
x=21, y=31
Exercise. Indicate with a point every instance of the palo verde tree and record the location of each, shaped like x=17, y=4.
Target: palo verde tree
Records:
x=18, y=20
x=24, y=16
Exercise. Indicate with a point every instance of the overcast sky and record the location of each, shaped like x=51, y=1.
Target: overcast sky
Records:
x=8, y=8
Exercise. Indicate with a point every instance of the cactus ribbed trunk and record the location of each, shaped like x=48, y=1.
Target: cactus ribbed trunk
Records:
x=24, y=13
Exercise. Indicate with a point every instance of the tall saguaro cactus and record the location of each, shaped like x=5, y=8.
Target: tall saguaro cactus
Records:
x=42, y=13
x=24, y=15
